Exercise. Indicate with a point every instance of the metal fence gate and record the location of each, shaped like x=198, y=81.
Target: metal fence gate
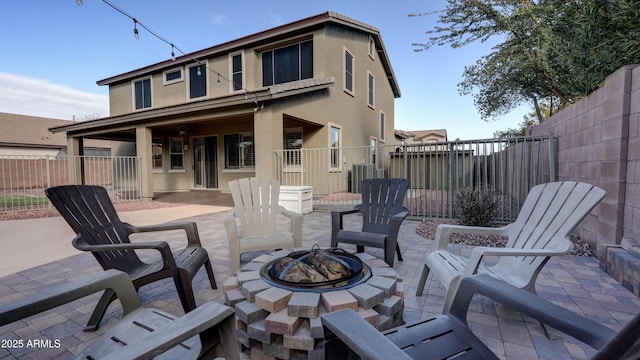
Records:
x=23, y=178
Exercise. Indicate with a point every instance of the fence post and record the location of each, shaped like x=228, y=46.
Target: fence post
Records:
x=405, y=160
x=552, y=158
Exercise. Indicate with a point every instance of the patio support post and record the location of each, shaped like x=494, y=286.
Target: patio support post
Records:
x=74, y=150
x=143, y=153
x=268, y=132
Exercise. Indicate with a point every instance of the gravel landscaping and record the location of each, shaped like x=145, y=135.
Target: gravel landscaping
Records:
x=427, y=229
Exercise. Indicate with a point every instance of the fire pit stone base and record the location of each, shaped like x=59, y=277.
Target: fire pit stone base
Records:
x=284, y=324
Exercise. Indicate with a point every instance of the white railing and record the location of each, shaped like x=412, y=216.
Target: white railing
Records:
x=435, y=171
x=23, y=178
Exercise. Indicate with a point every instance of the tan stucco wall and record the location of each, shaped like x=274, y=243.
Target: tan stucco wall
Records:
x=359, y=122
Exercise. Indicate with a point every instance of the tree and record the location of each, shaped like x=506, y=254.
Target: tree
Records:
x=545, y=110
x=552, y=51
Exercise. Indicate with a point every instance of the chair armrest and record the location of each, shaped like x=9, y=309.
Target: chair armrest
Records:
x=479, y=252
x=190, y=228
x=444, y=231
x=336, y=218
x=193, y=323
x=562, y=319
x=360, y=336
x=161, y=246
x=399, y=216
x=57, y=295
x=395, y=222
x=296, y=225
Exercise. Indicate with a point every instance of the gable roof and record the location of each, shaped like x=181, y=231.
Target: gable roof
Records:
x=420, y=135
x=270, y=35
x=33, y=131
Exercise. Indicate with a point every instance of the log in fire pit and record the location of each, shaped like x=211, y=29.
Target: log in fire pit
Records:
x=316, y=270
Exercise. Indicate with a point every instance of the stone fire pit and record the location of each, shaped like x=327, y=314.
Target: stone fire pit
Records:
x=285, y=323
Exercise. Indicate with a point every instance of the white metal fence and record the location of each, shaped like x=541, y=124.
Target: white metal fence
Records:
x=23, y=178
x=436, y=171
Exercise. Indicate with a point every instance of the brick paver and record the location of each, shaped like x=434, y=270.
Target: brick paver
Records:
x=573, y=282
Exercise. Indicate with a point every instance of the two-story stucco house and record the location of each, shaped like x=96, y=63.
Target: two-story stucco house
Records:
x=219, y=114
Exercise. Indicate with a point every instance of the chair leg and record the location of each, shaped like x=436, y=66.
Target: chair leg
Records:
x=185, y=290
x=423, y=280
x=212, y=278
x=398, y=251
x=101, y=308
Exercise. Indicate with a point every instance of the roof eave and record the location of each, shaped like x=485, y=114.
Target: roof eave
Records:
x=296, y=26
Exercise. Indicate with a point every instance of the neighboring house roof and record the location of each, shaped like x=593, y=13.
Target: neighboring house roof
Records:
x=33, y=132
x=402, y=134
x=283, y=31
x=422, y=136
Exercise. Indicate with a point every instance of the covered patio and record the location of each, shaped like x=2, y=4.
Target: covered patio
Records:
x=574, y=282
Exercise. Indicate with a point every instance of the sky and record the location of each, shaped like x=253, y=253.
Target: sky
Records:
x=53, y=52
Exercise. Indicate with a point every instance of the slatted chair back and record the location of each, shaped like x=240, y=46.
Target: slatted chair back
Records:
x=90, y=213
x=549, y=214
x=381, y=199
x=256, y=205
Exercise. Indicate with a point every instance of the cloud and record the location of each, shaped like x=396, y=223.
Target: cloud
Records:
x=37, y=97
x=272, y=18
x=220, y=19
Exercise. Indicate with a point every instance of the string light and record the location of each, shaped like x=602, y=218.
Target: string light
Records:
x=136, y=34
x=135, y=29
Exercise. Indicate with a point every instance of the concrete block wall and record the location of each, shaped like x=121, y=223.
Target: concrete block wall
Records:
x=598, y=142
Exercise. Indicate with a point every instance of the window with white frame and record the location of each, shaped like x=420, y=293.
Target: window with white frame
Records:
x=156, y=152
x=373, y=147
x=172, y=76
x=335, y=143
x=142, y=93
x=237, y=67
x=293, y=147
x=348, y=72
x=372, y=48
x=382, y=124
x=197, y=81
x=239, y=151
x=176, y=153
x=289, y=63
x=371, y=92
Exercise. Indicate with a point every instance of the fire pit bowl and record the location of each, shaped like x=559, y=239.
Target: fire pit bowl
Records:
x=274, y=272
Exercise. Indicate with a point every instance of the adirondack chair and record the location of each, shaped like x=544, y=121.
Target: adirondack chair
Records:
x=382, y=214
x=256, y=206
x=91, y=215
x=549, y=214
x=446, y=336
x=142, y=333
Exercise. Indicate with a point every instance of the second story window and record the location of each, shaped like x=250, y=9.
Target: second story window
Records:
x=142, y=93
x=172, y=76
x=372, y=85
x=236, y=72
x=289, y=63
x=348, y=72
x=197, y=81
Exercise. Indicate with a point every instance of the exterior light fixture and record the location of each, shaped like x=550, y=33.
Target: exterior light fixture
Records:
x=135, y=29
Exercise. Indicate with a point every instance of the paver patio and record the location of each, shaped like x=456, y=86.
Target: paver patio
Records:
x=574, y=282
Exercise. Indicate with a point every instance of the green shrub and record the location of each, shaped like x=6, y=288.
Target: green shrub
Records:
x=475, y=207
